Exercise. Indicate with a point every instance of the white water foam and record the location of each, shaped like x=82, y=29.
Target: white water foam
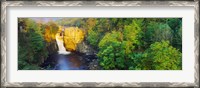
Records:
x=60, y=43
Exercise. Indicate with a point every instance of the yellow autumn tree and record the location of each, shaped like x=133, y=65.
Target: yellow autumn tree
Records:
x=60, y=33
x=47, y=34
x=72, y=36
x=50, y=31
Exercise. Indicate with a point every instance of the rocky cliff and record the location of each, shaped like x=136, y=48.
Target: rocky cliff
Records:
x=52, y=47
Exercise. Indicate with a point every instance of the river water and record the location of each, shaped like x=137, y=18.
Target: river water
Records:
x=72, y=61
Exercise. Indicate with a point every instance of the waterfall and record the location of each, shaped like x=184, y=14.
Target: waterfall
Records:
x=60, y=43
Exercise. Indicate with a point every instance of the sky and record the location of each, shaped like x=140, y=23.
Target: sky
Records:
x=45, y=19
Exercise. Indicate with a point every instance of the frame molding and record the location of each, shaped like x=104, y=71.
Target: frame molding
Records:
x=5, y=4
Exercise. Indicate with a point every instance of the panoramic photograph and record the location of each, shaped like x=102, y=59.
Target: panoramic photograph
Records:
x=65, y=43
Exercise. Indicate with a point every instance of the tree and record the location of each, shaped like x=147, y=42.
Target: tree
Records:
x=50, y=31
x=31, y=45
x=176, y=25
x=72, y=36
x=162, y=56
x=98, y=27
x=156, y=32
x=132, y=34
x=92, y=35
x=116, y=47
x=110, y=51
x=93, y=38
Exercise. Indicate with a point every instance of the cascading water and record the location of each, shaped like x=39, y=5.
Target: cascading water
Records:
x=60, y=43
x=62, y=63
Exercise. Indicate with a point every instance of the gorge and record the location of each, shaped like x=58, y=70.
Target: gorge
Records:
x=76, y=59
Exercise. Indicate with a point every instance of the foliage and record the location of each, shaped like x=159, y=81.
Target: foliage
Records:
x=135, y=61
x=176, y=26
x=121, y=43
x=50, y=31
x=98, y=27
x=126, y=49
x=162, y=56
x=31, y=45
x=109, y=47
x=93, y=37
x=156, y=32
x=116, y=46
x=132, y=33
x=72, y=36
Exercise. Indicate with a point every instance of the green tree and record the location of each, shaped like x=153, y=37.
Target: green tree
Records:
x=31, y=45
x=116, y=47
x=176, y=25
x=162, y=56
x=110, y=51
x=133, y=33
x=92, y=35
x=156, y=32
x=135, y=61
x=93, y=38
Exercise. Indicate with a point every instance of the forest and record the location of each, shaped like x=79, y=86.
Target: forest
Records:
x=99, y=43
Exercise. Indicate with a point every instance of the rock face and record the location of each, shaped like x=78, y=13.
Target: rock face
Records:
x=94, y=65
x=85, y=48
x=52, y=47
x=89, y=56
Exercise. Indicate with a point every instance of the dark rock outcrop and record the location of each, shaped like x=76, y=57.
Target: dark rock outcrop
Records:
x=94, y=65
x=85, y=48
x=52, y=47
